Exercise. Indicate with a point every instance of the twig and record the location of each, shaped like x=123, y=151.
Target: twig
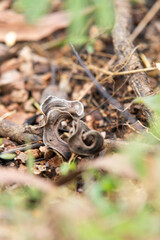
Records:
x=124, y=46
x=124, y=72
x=147, y=18
x=7, y=114
x=16, y=132
x=106, y=95
x=22, y=149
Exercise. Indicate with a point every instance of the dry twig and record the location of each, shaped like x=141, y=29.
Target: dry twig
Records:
x=16, y=132
x=24, y=148
x=124, y=46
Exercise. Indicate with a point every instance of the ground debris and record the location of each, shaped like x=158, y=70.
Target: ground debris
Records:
x=82, y=170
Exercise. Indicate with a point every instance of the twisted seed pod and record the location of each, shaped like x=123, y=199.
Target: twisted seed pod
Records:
x=74, y=107
x=51, y=137
x=84, y=141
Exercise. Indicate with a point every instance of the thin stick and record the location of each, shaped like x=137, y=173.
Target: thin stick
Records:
x=22, y=149
x=7, y=114
x=124, y=72
x=148, y=17
x=105, y=94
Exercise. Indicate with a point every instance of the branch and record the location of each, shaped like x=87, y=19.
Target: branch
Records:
x=124, y=46
x=16, y=132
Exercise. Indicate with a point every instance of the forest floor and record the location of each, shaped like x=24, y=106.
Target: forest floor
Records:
x=85, y=173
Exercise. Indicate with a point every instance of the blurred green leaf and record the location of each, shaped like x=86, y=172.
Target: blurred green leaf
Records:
x=104, y=13
x=109, y=183
x=136, y=151
x=65, y=168
x=152, y=102
x=76, y=29
x=7, y=155
x=32, y=9
x=90, y=48
x=99, y=11
x=30, y=162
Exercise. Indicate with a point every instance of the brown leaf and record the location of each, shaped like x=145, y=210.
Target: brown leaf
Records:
x=19, y=96
x=19, y=117
x=55, y=111
x=8, y=80
x=12, y=64
x=14, y=22
x=4, y=5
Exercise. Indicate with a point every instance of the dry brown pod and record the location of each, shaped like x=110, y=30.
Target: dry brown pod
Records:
x=80, y=139
x=85, y=141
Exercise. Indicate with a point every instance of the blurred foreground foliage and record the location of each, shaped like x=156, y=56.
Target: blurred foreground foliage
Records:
x=112, y=206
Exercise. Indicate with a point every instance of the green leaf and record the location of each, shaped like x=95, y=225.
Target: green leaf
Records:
x=30, y=162
x=76, y=31
x=104, y=13
x=7, y=156
x=32, y=9
x=90, y=48
x=152, y=102
x=136, y=152
x=65, y=168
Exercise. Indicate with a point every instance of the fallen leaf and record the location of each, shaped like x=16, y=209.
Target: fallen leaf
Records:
x=19, y=117
x=11, y=64
x=7, y=156
x=11, y=21
x=4, y=5
x=8, y=80
x=19, y=96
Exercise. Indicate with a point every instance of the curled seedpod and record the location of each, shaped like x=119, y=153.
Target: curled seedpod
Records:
x=84, y=141
x=64, y=132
